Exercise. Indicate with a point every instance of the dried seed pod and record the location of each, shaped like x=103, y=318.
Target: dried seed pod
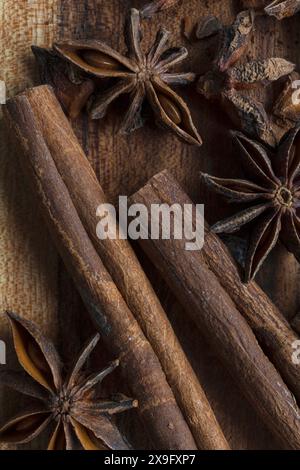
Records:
x=235, y=40
x=28, y=423
x=141, y=76
x=248, y=115
x=46, y=368
x=72, y=91
x=88, y=439
x=274, y=196
x=226, y=79
x=111, y=63
x=100, y=60
x=61, y=400
x=25, y=427
x=267, y=70
x=58, y=439
x=37, y=358
x=176, y=115
x=170, y=108
x=287, y=106
x=283, y=8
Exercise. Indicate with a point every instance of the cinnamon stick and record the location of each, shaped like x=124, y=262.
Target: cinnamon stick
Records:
x=120, y=331
x=271, y=328
x=215, y=314
x=124, y=267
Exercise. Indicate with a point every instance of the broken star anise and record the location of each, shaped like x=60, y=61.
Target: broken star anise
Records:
x=272, y=197
x=286, y=110
x=279, y=8
x=224, y=82
x=283, y=9
x=70, y=403
x=138, y=74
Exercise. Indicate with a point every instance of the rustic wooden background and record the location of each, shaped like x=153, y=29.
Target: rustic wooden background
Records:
x=33, y=280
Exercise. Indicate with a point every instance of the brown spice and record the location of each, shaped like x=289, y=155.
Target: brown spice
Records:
x=286, y=110
x=120, y=331
x=71, y=401
x=122, y=264
x=283, y=8
x=280, y=9
x=272, y=197
x=224, y=82
x=139, y=75
x=213, y=311
x=73, y=93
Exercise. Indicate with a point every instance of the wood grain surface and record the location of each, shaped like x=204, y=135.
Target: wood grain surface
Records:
x=32, y=278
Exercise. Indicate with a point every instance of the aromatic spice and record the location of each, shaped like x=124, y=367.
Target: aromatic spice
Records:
x=120, y=331
x=70, y=401
x=123, y=265
x=226, y=79
x=142, y=76
x=72, y=92
x=156, y=6
x=279, y=8
x=214, y=313
x=275, y=188
x=283, y=9
x=287, y=106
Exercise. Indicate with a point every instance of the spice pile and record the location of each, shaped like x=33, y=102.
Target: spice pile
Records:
x=244, y=329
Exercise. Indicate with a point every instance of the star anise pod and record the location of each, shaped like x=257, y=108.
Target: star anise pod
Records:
x=72, y=94
x=224, y=82
x=286, y=110
x=279, y=8
x=70, y=402
x=142, y=76
x=283, y=9
x=272, y=196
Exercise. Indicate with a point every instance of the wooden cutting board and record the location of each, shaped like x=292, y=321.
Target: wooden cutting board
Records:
x=33, y=281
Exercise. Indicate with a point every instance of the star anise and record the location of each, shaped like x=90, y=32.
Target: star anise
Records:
x=279, y=8
x=70, y=402
x=274, y=189
x=225, y=81
x=138, y=74
x=286, y=109
x=283, y=9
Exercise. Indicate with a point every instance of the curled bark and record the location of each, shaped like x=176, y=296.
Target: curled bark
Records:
x=122, y=264
x=195, y=277
x=109, y=311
